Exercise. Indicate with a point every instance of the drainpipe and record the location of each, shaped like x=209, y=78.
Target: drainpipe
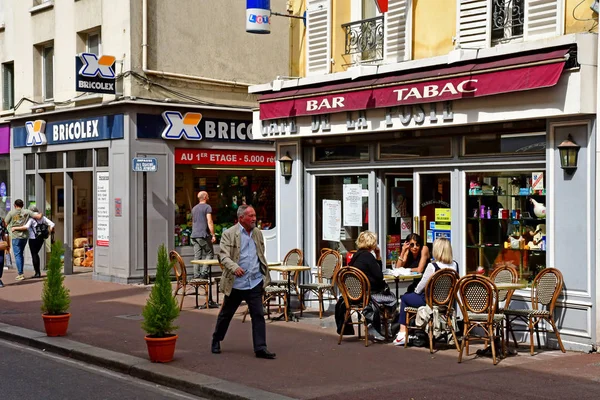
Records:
x=172, y=75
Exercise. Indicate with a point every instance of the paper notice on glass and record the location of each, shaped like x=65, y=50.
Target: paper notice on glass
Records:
x=332, y=220
x=352, y=205
x=102, y=209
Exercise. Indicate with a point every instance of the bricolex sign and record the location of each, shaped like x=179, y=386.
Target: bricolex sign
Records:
x=40, y=132
x=95, y=74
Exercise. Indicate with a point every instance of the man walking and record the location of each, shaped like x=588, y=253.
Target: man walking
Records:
x=18, y=217
x=245, y=274
x=203, y=234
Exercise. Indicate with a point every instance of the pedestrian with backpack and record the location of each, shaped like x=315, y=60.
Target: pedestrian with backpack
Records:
x=39, y=231
x=15, y=220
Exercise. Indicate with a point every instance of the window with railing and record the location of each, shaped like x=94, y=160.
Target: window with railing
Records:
x=364, y=39
x=508, y=19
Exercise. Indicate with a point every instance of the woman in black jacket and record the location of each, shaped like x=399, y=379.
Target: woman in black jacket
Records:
x=368, y=260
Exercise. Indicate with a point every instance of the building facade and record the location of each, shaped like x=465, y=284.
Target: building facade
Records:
x=165, y=88
x=445, y=120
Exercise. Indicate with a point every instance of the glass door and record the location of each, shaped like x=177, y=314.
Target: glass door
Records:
x=342, y=212
x=398, y=211
x=434, y=217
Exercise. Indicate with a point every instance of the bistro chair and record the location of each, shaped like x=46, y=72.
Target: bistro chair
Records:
x=505, y=273
x=327, y=268
x=182, y=281
x=545, y=289
x=356, y=291
x=478, y=300
x=272, y=292
x=439, y=294
x=293, y=257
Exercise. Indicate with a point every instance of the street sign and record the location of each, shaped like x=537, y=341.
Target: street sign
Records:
x=144, y=164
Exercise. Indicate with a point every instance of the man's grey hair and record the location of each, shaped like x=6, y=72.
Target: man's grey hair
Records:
x=33, y=209
x=242, y=210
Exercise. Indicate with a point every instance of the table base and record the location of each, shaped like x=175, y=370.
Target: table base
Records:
x=211, y=304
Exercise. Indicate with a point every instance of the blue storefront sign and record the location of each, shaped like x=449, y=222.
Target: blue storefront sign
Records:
x=258, y=15
x=152, y=126
x=39, y=132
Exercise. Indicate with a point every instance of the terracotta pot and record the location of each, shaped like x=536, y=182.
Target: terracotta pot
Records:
x=161, y=349
x=56, y=325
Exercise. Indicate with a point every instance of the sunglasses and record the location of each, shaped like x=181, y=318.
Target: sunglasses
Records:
x=414, y=245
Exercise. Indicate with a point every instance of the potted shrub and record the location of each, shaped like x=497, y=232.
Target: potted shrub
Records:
x=55, y=296
x=159, y=313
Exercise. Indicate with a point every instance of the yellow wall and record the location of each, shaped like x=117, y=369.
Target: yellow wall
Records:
x=575, y=12
x=339, y=16
x=298, y=40
x=434, y=25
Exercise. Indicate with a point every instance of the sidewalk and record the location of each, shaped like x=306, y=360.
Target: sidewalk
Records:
x=309, y=364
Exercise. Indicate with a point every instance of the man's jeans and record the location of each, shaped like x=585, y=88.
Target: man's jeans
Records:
x=18, y=248
x=203, y=250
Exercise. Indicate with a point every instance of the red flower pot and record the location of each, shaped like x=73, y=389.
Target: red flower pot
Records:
x=161, y=349
x=56, y=325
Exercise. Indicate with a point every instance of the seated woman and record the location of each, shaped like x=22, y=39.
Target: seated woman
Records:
x=414, y=256
x=442, y=254
x=368, y=260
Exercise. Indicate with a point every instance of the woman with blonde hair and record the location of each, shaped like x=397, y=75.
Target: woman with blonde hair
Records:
x=368, y=260
x=442, y=254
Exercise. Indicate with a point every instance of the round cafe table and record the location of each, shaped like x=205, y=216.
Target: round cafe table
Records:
x=210, y=263
x=399, y=278
x=289, y=269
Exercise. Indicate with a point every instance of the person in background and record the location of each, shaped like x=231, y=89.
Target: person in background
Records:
x=18, y=217
x=442, y=254
x=203, y=234
x=413, y=256
x=3, y=236
x=368, y=260
x=245, y=274
x=35, y=243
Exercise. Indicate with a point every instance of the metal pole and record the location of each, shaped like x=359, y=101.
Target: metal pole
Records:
x=145, y=218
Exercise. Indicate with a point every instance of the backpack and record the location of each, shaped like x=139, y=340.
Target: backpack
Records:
x=42, y=231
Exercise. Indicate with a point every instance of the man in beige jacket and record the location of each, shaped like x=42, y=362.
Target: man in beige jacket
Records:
x=245, y=274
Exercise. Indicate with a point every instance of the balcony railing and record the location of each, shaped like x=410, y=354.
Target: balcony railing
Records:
x=365, y=38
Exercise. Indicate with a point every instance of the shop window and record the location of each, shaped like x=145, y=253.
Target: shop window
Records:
x=506, y=221
x=102, y=157
x=399, y=214
x=331, y=199
x=30, y=162
x=417, y=147
x=495, y=143
x=4, y=184
x=79, y=158
x=51, y=160
x=30, y=190
x=227, y=190
x=333, y=153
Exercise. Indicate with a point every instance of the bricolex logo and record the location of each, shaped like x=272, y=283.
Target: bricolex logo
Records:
x=36, y=133
x=94, y=66
x=181, y=126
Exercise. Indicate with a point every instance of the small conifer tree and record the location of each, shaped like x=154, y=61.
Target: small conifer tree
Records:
x=55, y=296
x=161, y=307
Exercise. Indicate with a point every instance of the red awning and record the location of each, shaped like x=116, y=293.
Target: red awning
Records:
x=528, y=72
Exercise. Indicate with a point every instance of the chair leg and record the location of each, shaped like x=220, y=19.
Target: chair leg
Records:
x=321, y=305
x=359, y=325
x=531, y=344
x=463, y=343
x=285, y=307
x=454, y=335
x=406, y=331
x=344, y=326
x=366, y=334
x=493, y=344
x=537, y=332
x=512, y=332
x=182, y=297
x=555, y=329
x=430, y=324
x=301, y=300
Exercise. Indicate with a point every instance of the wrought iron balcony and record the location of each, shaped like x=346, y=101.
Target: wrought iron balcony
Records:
x=365, y=38
x=508, y=17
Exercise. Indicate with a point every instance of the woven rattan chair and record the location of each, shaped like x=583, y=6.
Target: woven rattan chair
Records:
x=505, y=273
x=356, y=291
x=183, y=283
x=327, y=268
x=293, y=257
x=545, y=290
x=439, y=293
x=478, y=300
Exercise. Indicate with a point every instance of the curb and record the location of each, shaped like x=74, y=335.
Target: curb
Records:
x=176, y=378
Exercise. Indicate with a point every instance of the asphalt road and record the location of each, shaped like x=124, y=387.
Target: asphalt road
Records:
x=27, y=373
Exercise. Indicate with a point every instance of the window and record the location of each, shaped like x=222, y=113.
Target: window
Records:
x=48, y=72
x=341, y=153
x=495, y=143
x=508, y=17
x=102, y=157
x=79, y=158
x=51, y=160
x=415, y=148
x=8, y=86
x=93, y=43
x=30, y=162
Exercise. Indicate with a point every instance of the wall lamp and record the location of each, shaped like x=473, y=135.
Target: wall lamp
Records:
x=568, y=151
x=285, y=162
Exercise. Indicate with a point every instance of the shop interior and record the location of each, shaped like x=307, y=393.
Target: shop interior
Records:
x=227, y=190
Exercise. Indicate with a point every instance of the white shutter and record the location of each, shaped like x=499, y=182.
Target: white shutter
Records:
x=318, y=37
x=542, y=19
x=398, y=25
x=474, y=23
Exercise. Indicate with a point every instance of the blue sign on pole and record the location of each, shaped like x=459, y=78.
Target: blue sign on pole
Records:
x=144, y=164
x=258, y=14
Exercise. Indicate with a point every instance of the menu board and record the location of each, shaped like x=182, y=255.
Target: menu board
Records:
x=332, y=220
x=352, y=205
